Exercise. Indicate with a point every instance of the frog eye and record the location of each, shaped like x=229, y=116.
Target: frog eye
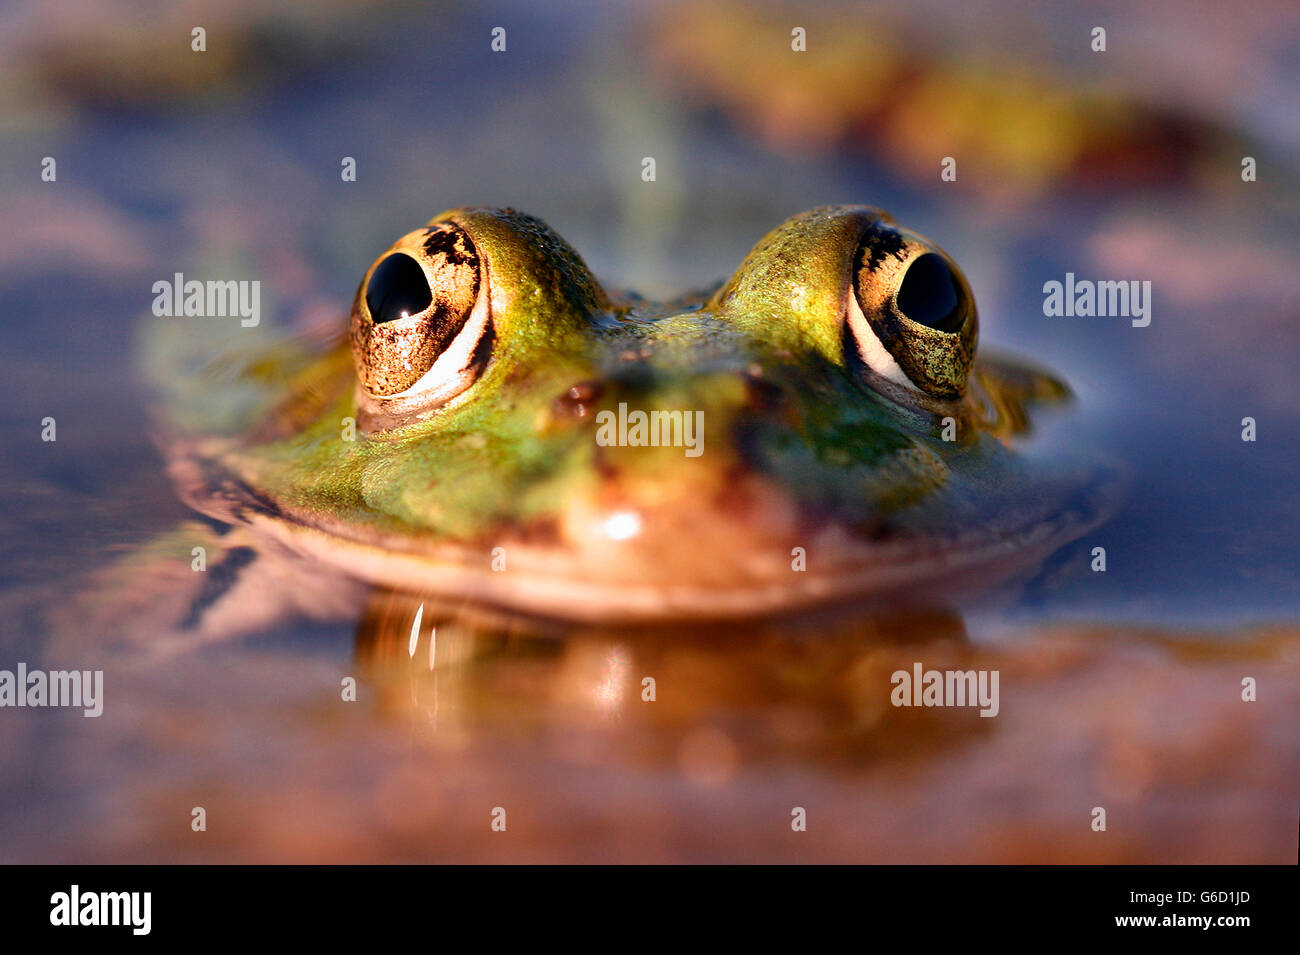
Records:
x=911, y=313
x=418, y=318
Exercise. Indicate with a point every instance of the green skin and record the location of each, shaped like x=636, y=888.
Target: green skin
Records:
x=819, y=481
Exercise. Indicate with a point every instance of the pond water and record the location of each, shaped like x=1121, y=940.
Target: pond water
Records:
x=1120, y=689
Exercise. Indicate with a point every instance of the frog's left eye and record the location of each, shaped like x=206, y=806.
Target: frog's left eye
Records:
x=418, y=318
x=911, y=313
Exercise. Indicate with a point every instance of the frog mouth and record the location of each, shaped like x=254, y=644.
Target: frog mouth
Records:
x=543, y=580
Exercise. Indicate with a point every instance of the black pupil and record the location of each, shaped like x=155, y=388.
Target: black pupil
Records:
x=397, y=289
x=929, y=294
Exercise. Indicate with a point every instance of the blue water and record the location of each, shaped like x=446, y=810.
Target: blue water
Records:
x=241, y=179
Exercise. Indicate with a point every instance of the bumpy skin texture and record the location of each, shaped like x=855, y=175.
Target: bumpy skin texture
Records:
x=803, y=447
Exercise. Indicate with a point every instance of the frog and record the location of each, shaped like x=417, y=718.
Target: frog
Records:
x=456, y=436
x=492, y=429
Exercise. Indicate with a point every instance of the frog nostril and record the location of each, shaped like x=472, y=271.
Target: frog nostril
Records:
x=762, y=393
x=398, y=289
x=574, y=402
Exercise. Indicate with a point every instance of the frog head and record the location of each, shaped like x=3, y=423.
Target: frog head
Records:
x=494, y=426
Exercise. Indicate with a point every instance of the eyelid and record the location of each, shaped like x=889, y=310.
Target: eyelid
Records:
x=454, y=360
x=871, y=349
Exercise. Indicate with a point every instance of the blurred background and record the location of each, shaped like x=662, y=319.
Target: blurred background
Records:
x=1122, y=164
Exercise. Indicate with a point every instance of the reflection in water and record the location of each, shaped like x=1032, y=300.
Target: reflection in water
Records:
x=704, y=763
x=696, y=695
x=740, y=723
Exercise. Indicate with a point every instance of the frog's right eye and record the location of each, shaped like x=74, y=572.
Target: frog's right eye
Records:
x=911, y=313
x=418, y=317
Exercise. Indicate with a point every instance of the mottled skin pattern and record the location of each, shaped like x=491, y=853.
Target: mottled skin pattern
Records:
x=804, y=447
